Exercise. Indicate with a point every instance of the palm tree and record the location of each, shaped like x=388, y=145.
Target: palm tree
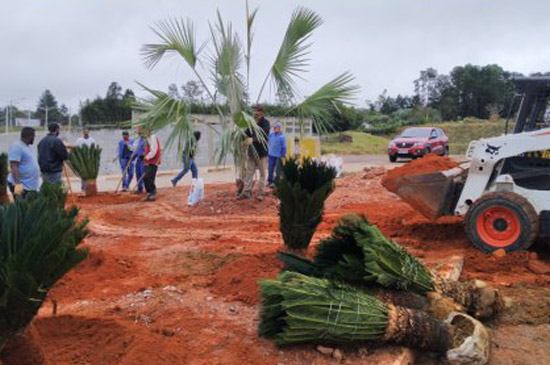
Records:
x=229, y=65
x=39, y=244
x=84, y=161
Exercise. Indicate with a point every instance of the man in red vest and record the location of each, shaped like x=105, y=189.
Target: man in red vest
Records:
x=151, y=160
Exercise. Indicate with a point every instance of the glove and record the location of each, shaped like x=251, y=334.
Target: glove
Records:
x=248, y=141
x=18, y=190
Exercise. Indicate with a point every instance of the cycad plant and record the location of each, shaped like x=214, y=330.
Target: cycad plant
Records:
x=229, y=69
x=4, y=199
x=39, y=244
x=84, y=161
x=298, y=309
x=302, y=190
x=359, y=253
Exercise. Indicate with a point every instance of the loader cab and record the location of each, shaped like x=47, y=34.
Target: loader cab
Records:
x=534, y=107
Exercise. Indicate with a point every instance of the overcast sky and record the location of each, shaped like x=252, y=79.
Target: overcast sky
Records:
x=76, y=48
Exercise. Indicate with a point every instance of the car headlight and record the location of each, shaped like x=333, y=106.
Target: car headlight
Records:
x=418, y=144
x=391, y=144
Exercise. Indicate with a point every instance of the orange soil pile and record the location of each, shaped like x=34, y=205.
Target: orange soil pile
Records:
x=425, y=165
x=239, y=279
x=104, y=198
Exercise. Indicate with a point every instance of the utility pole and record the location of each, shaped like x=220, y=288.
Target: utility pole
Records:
x=46, y=109
x=7, y=119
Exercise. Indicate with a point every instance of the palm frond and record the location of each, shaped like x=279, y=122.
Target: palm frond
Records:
x=226, y=65
x=38, y=246
x=84, y=161
x=163, y=111
x=250, y=17
x=317, y=105
x=302, y=192
x=177, y=36
x=291, y=59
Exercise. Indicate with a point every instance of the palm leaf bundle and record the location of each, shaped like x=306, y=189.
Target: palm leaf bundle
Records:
x=84, y=161
x=38, y=246
x=4, y=178
x=358, y=252
x=302, y=191
x=299, y=309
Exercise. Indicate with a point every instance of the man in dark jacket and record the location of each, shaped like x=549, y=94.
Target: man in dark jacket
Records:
x=256, y=155
x=51, y=155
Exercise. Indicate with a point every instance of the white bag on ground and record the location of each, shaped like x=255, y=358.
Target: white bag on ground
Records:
x=336, y=162
x=196, y=191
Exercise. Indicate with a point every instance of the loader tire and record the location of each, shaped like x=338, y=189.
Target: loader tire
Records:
x=502, y=220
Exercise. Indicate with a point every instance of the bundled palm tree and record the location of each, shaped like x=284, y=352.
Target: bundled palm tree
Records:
x=38, y=245
x=302, y=191
x=358, y=252
x=4, y=179
x=230, y=70
x=84, y=161
x=299, y=309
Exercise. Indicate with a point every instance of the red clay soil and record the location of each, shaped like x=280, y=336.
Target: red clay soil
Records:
x=171, y=284
x=427, y=164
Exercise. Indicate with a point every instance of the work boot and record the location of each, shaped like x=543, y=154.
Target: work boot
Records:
x=243, y=196
x=240, y=186
x=151, y=197
x=260, y=197
x=174, y=182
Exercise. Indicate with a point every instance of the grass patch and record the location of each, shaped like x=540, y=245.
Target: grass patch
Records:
x=461, y=134
x=361, y=144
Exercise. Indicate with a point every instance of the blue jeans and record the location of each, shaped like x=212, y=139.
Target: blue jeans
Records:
x=188, y=164
x=51, y=177
x=273, y=169
x=140, y=171
x=129, y=173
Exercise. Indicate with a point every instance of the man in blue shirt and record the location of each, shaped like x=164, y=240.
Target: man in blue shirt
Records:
x=24, y=171
x=139, y=146
x=125, y=157
x=276, y=152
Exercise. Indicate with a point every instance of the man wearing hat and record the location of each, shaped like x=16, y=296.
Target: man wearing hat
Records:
x=256, y=156
x=276, y=152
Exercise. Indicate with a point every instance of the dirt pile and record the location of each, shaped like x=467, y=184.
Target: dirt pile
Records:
x=239, y=279
x=427, y=164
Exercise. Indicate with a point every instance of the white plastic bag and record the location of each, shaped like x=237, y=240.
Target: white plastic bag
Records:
x=196, y=191
x=336, y=162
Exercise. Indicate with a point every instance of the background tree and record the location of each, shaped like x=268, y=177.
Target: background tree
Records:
x=114, y=109
x=48, y=102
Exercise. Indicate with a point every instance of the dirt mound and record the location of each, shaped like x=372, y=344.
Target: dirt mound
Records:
x=79, y=340
x=425, y=165
x=221, y=199
x=104, y=199
x=239, y=279
x=25, y=349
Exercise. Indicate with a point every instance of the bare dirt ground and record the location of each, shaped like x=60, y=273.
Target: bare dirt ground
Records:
x=170, y=284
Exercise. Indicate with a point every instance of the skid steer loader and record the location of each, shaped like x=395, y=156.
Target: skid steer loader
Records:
x=503, y=187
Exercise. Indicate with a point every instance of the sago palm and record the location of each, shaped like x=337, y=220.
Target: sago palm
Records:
x=38, y=246
x=359, y=253
x=298, y=309
x=302, y=190
x=84, y=161
x=4, y=179
x=229, y=71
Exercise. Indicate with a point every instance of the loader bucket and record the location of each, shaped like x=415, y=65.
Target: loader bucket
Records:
x=430, y=194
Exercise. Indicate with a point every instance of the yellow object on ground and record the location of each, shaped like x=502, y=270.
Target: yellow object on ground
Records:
x=289, y=146
x=310, y=147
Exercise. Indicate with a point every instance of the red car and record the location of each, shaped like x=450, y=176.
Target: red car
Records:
x=417, y=142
